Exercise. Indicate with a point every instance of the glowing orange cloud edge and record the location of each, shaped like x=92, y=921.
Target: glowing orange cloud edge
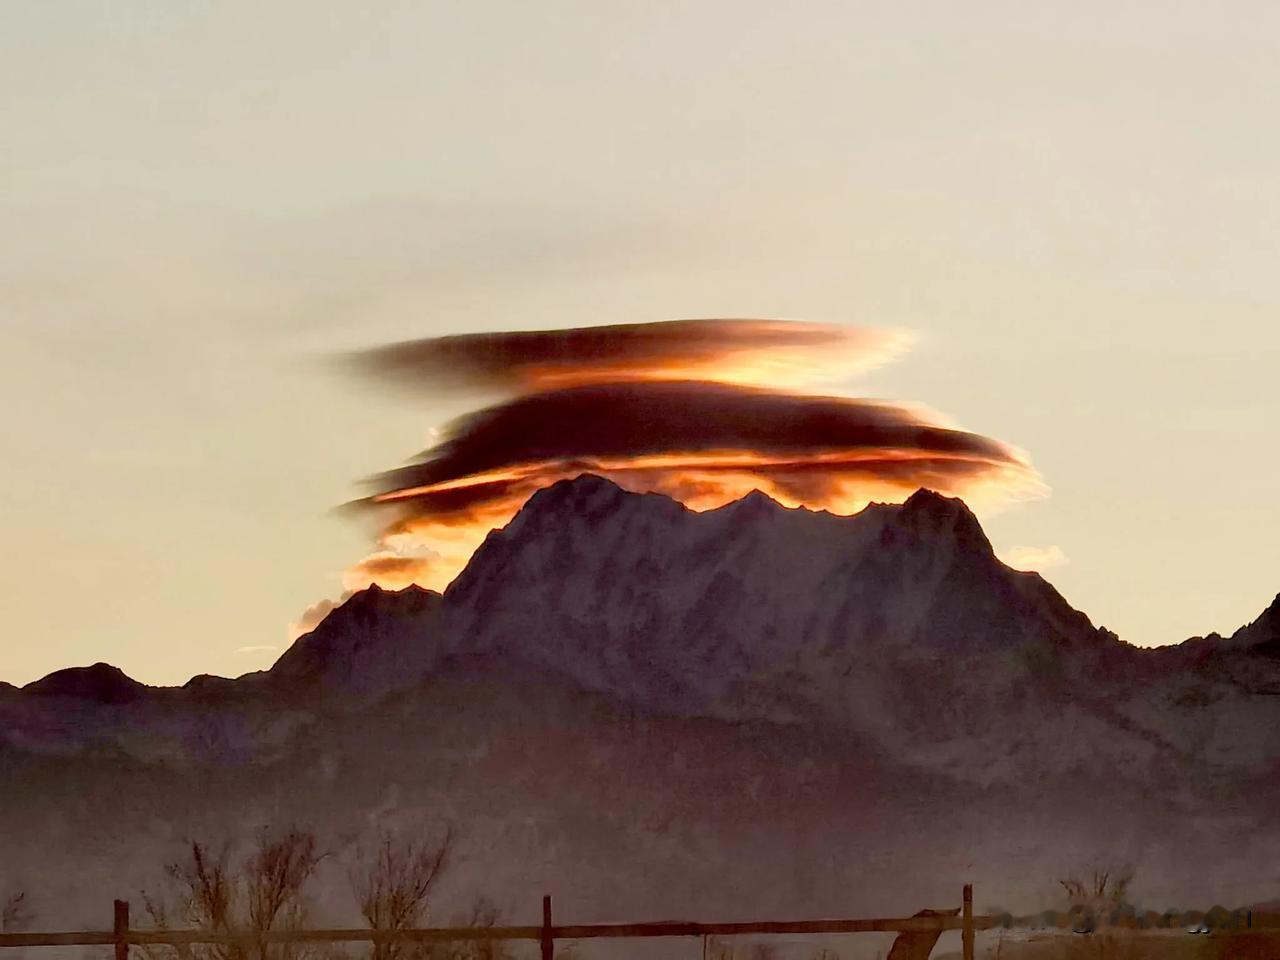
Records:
x=702, y=481
x=436, y=527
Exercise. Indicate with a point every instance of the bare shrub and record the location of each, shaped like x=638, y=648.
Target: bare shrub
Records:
x=392, y=884
x=274, y=877
x=1103, y=886
x=263, y=892
x=1098, y=897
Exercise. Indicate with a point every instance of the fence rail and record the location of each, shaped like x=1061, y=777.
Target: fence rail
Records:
x=122, y=937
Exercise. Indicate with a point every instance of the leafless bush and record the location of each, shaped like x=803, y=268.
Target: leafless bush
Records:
x=1104, y=886
x=1100, y=898
x=264, y=892
x=392, y=884
x=274, y=877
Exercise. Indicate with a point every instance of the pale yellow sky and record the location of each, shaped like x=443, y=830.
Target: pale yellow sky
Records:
x=1075, y=206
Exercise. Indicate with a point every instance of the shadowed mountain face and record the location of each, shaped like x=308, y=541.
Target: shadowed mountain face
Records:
x=100, y=683
x=371, y=632
x=617, y=687
x=1263, y=635
x=898, y=624
x=639, y=597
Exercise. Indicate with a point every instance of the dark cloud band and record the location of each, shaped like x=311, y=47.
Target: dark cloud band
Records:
x=711, y=348
x=613, y=422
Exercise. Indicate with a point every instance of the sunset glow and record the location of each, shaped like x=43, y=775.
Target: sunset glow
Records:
x=695, y=410
x=777, y=353
x=253, y=258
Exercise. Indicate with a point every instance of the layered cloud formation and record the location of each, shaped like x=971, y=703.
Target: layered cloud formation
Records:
x=702, y=410
x=771, y=352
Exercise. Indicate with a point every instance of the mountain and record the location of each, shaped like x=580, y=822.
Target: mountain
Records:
x=100, y=683
x=617, y=687
x=898, y=624
x=371, y=632
x=1262, y=635
x=638, y=596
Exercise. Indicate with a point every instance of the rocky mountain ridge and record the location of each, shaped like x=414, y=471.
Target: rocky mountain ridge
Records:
x=898, y=624
x=746, y=711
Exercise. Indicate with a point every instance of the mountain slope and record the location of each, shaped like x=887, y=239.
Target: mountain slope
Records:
x=897, y=624
x=898, y=620
x=372, y=634
x=748, y=710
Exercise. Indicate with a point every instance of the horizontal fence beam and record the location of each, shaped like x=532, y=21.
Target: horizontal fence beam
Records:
x=679, y=929
x=85, y=939
x=575, y=932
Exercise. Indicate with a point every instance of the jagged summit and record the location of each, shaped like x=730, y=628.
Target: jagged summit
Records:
x=932, y=512
x=926, y=502
x=584, y=490
x=588, y=497
x=924, y=498
x=756, y=507
x=758, y=499
x=373, y=596
x=620, y=588
x=1259, y=636
x=1263, y=634
x=101, y=683
x=368, y=631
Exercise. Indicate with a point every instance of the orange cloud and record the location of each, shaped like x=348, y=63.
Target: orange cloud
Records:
x=808, y=447
x=703, y=411
x=390, y=570
x=312, y=616
x=773, y=352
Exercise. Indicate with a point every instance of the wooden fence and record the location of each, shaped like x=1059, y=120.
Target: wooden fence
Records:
x=122, y=936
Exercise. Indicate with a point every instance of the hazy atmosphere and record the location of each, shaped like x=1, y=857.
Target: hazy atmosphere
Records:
x=1065, y=221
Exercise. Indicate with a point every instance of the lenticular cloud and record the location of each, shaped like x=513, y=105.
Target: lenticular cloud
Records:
x=702, y=410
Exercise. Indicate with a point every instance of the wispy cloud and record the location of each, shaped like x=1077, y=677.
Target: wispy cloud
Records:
x=742, y=351
x=1035, y=558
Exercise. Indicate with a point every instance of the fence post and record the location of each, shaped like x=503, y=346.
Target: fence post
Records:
x=548, y=943
x=966, y=934
x=120, y=927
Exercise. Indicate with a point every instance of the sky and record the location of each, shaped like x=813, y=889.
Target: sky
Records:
x=1074, y=208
